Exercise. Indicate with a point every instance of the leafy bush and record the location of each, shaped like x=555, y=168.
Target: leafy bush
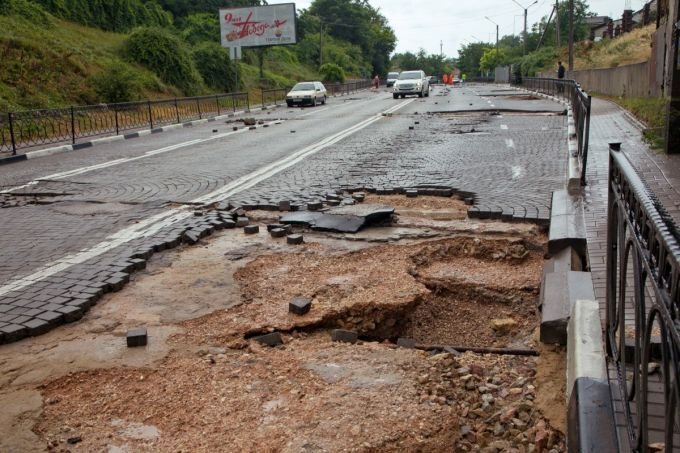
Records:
x=332, y=72
x=546, y=57
x=215, y=66
x=201, y=27
x=160, y=51
x=27, y=10
x=117, y=83
x=113, y=15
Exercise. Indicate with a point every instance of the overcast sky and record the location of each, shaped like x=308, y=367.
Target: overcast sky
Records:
x=424, y=23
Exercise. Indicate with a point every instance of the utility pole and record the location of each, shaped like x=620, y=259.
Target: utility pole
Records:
x=320, y=43
x=495, y=59
x=571, y=35
x=557, y=22
x=441, y=49
x=672, y=132
x=526, y=9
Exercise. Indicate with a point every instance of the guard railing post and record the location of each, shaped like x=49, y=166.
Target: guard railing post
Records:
x=11, y=134
x=115, y=114
x=73, y=127
x=148, y=104
x=198, y=105
x=177, y=111
x=262, y=95
x=217, y=101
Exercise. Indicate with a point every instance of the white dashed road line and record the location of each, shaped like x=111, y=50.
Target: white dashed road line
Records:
x=504, y=127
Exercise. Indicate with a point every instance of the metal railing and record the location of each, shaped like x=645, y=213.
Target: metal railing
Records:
x=643, y=309
x=19, y=130
x=580, y=106
x=34, y=128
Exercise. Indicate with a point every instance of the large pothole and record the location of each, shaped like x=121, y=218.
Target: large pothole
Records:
x=435, y=277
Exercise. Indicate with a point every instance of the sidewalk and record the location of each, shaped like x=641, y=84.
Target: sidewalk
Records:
x=661, y=172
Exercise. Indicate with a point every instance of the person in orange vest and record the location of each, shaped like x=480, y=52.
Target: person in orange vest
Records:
x=451, y=79
x=445, y=79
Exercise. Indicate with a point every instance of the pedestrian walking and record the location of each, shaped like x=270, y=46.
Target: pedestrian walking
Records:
x=376, y=82
x=560, y=70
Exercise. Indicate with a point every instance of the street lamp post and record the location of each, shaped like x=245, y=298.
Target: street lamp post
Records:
x=496, y=58
x=524, y=44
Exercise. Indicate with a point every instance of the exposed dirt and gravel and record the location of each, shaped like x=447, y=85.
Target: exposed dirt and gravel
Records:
x=203, y=384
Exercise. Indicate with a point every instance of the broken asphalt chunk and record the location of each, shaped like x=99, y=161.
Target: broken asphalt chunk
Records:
x=294, y=239
x=251, y=229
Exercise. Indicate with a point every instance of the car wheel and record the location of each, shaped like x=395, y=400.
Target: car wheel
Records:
x=395, y=95
x=323, y=101
x=290, y=104
x=420, y=95
x=427, y=93
x=403, y=96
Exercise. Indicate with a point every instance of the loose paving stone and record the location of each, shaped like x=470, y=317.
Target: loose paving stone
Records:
x=136, y=337
x=294, y=239
x=314, y=205
x=359, y=196
x=300, y=305
x=284, y=205
x=271, y=339
x=251, y=229
x=345, y=336
x=412, y=193
x=274, y=226
x=242, y=221
x=229, y=224
x=278, y=232
x=406, y=343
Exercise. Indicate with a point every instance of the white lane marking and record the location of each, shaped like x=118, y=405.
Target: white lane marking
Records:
x=150, y=226
x=509, y=143
x=517, y=171
x=492, y=105
x=504, y=127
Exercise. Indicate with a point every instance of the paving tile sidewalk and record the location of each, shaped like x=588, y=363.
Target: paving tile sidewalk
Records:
x=661, y=173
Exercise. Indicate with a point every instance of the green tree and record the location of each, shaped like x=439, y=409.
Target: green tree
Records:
x=332, y=73
x=160, y=51
x=215, y=66
x=201, y=27
x=490, y=59
x=117, y=83
x=469, y=56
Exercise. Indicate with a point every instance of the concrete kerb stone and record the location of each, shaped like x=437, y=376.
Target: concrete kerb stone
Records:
x=560, y=292
x=590, y=421
x=567, y=224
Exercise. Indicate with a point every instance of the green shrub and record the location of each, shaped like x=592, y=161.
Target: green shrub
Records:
x=117, y=83
x=27, y=10
x=215, y=66
x=332, y=72
x=202, y=27
x=163, y=53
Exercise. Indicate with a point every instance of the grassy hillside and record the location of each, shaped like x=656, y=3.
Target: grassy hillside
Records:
x=630, y=48
x=56, y=64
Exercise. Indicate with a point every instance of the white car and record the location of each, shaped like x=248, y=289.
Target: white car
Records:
x=411, y=82
x=306, y=93
x=391, y=78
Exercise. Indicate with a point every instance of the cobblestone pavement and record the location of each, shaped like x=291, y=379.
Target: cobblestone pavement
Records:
x=77, y=224
x=661, y=173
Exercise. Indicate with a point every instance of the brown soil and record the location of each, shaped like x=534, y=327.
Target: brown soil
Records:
x=311, y=395
x=202, y=385
x=420, y=203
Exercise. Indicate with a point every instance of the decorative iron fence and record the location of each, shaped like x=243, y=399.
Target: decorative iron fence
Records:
x=643, y=309
x=580, y=105
x=32, y=128
x=19, y=130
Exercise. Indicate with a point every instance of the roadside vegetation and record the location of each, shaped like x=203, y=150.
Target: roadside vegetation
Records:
x=57, y=53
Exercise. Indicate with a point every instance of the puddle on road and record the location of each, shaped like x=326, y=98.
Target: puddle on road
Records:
x=434, y=276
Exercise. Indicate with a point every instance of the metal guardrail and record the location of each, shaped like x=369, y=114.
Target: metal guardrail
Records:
x=643, y=308
x=31, y=128
x=580, y=105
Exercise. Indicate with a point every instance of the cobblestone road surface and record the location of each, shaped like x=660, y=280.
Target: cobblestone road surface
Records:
x=76, y=224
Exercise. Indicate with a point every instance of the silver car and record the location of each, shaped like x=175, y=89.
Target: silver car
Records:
x=306, y=93
x=411, y=82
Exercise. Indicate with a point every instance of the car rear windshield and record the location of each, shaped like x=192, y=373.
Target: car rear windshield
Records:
x=303, y=87
x=392, y=75
x=409, y=75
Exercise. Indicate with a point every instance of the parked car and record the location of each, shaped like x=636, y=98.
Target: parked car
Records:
x=434, y=80
x=307, y=93
x=391, y=78
x=411, y=82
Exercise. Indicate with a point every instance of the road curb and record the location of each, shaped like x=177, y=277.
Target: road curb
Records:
x=114, y=138
x=590, y=417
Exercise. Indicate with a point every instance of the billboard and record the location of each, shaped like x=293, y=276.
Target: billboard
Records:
x=255, y=26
